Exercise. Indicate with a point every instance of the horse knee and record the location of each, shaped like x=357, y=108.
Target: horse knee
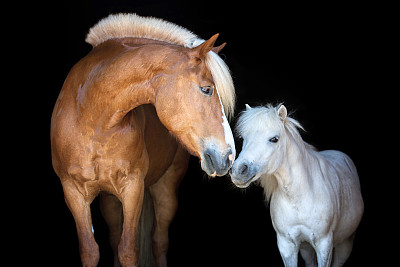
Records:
x=128, y=259
x=90, y=256
x=128, y=254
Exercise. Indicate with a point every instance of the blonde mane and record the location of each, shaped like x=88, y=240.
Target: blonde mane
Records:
x=132, y=25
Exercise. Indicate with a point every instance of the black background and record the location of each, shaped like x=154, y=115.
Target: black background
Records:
x=323, y=61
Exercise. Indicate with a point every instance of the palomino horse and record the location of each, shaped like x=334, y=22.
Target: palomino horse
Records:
x=316, y=202
x=127, y=114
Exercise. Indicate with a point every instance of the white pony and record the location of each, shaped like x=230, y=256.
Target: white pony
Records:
x=315, y=198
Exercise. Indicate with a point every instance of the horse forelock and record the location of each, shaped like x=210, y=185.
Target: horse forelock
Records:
x=263, y=117
x=223, y=82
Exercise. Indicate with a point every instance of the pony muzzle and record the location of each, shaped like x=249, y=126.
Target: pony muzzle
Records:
x=215, y=163
x=242, y=174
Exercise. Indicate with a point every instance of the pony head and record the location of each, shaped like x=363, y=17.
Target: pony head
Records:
x=265, y=135
x=190, y=100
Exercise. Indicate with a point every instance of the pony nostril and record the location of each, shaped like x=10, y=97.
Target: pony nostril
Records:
x=244, y=169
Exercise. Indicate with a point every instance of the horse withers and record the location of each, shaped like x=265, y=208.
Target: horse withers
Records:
x=315, y=197
x=127, y=115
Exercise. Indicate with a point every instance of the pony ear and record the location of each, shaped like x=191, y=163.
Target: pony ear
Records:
x=282, y=112
x=202, y=50
x=217, y=49
x=247, y=107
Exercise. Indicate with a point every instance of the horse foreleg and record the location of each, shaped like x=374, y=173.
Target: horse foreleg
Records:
x=324, y=248
x=132, y=199
x=165, y=200
x=289, y=250
x=111, y=209
x=79, y=205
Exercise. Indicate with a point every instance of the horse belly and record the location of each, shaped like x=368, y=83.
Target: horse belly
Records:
x=351, y=211
x=351, y=206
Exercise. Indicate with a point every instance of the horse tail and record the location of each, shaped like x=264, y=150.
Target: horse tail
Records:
x=145, y=230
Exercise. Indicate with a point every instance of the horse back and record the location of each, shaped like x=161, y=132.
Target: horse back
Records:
x=342, y=164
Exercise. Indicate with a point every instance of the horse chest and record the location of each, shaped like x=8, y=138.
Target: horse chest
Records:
x=302, y=218
x=95, y=165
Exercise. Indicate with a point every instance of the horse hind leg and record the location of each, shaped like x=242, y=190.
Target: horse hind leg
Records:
x=342, y=252
x=165, y=201
x=111, y=209
x=79, y=205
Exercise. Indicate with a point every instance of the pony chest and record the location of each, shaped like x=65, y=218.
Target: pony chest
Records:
x=303, y=218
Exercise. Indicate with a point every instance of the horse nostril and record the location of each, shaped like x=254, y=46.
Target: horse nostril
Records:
x=210, y=160
x=244, y=169
x=228, y=159
x=217, y=163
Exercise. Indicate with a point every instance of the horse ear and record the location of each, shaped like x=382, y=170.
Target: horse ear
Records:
x=205, y=47
x=282, y=112
x=247, y=107
x=217, y=49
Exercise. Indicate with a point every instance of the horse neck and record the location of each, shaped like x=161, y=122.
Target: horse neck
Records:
x=125, y=83
x=294, y=175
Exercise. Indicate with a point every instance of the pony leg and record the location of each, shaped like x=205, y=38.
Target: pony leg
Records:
x=79, y=206
x=111, y=209
x=342, y=252
x=324, y=248
x=164, y=194
x=132, y=199
x=308, y=254
x=289, y=250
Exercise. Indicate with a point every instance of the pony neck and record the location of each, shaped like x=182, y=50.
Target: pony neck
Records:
x=293, y=176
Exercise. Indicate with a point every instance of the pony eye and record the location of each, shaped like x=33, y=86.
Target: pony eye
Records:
x=207, y=90
x=274, y=139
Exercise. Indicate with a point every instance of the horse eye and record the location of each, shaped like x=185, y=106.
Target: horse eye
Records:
x=207, y=90
x=274, y=139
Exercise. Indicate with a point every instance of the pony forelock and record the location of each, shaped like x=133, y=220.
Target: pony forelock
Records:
x=259, y=118
x=132, y=25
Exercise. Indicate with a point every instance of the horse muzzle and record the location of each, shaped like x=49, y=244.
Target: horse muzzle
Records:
x=242, y=174
x=215, y=163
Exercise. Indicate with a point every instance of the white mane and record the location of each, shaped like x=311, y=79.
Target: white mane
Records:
x=132, y=25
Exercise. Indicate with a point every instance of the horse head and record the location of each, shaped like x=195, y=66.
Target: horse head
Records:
x=264, y=138
x=190, y=105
